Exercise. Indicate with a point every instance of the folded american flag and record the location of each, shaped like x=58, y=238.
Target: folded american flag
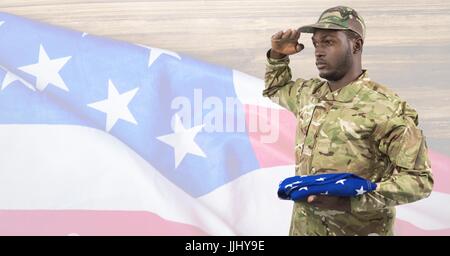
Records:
x=332, y=184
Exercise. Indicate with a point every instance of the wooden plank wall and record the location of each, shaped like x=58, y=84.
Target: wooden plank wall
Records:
x=407, y=45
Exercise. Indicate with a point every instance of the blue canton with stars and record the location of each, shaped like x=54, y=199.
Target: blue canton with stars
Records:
x=331, y=184
x=56, y=76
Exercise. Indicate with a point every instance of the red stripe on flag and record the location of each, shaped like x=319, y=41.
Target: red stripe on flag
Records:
x=440, y=165
x=272, y=135
x=89, y=223
x=403, y=228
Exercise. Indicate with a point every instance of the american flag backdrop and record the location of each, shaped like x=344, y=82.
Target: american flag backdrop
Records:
x=103, y=137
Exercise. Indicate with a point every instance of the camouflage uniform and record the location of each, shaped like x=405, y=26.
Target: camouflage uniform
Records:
x=362, y=128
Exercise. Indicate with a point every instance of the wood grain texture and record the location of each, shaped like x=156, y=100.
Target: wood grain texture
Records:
x=407, y=45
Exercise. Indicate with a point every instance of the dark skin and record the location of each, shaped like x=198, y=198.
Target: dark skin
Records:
x=338, y=59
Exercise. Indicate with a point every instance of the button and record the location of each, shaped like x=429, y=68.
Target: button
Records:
x=307, y=151
x=315, y=123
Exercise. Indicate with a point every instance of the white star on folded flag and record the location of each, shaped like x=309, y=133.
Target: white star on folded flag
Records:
x=340, y=181
x=360, y=191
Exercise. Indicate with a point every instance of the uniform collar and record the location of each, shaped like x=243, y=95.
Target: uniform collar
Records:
x=346, y=93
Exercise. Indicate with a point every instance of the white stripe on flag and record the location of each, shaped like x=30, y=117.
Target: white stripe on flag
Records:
x=432, y=213
x=250, y=203
x=60, y=167
x=249, y=90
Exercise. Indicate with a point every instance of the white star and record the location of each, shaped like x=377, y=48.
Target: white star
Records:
x=1, y=23
x=182, y=141
x=84, y=34
x=320, y=179
x=341, y=181
x=303, y=188
x=46, y=70
x=360, y=191
x=10, y=77
x=115, y=106
x=156, y=52
x=292, y=184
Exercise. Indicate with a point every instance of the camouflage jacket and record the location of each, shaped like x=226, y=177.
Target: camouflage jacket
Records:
x=362, y=128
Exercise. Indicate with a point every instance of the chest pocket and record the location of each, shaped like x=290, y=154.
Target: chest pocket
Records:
x=350, y=124
x=346, y=133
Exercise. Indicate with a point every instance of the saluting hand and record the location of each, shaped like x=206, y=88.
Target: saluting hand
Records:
x=285, y=43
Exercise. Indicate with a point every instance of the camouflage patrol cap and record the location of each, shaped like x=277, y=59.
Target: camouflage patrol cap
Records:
x=338, y=18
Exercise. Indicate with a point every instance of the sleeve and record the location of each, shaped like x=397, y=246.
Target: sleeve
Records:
x=278, y=85
x=403, y=142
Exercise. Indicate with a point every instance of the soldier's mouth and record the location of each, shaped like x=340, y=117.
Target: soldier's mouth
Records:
x=321, y=65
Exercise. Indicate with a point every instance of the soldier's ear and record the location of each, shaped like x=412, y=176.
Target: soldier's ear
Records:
x=357, y=45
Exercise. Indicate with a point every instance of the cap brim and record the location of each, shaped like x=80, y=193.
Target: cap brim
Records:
x=311, y=28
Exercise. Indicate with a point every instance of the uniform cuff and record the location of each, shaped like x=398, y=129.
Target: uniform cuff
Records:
x=273, y=61
x=355, y=204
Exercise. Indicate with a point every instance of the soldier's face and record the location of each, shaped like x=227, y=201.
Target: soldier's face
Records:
x=333, y=54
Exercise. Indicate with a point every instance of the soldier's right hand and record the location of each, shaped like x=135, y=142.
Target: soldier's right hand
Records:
x=285, y=43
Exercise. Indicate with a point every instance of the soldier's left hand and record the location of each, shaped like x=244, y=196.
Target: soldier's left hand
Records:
x=330, y=202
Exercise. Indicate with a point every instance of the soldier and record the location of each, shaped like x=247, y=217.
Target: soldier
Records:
x=347, y=123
